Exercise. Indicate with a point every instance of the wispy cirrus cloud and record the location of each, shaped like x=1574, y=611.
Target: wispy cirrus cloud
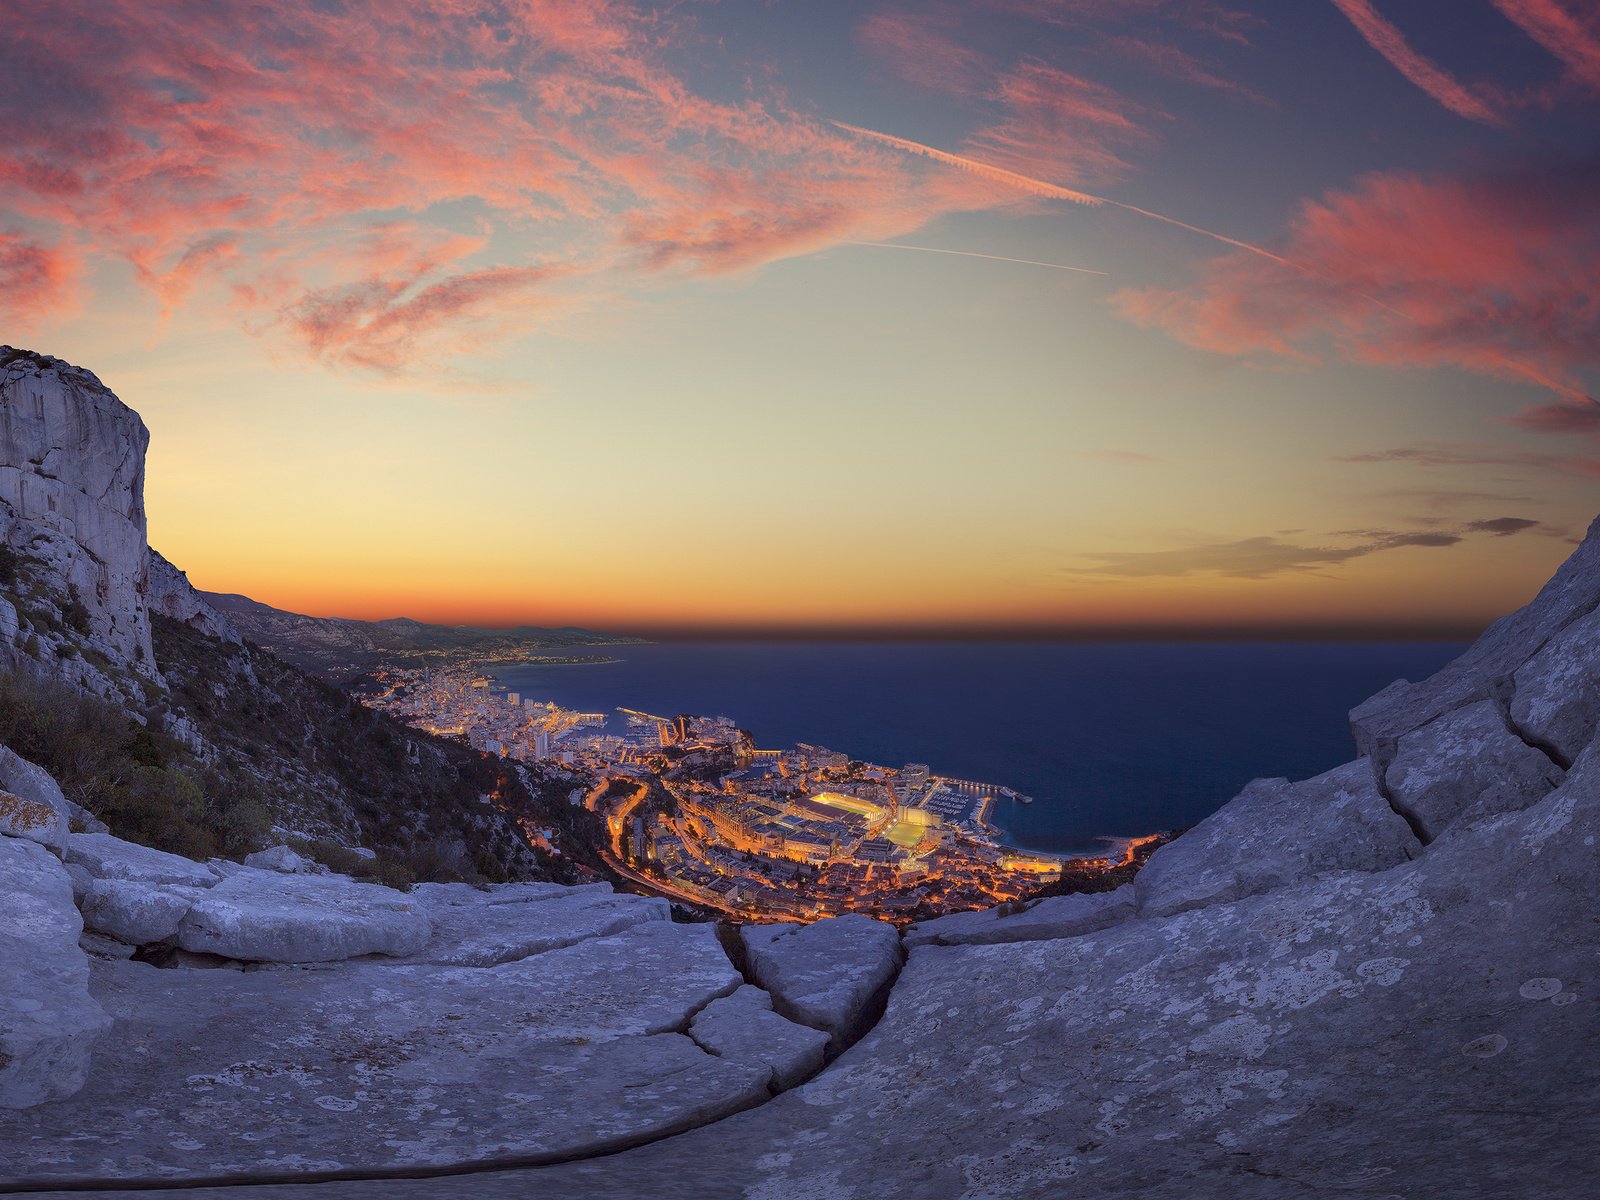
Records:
x=1384, y=37
x=365, y=177
x=1491, y=274
x=1480, y=454
x=1572, y=37
x=33, y=277
x=928, y=46
x=1265, y=557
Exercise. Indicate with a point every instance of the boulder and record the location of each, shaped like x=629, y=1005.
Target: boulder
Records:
x=1466, y=762
x=282, y=858
x=1275, y=833
x=826, y=974
x=264, y=916
x=1052, y=917
x=28, y=819
x=108, y=857
x=31, y=803
x=1556, y=700
x=744, y=1028
x=481, y=928
x=135, y=913
x=369, y=1067
x=1486, y=669
x=48, y=1022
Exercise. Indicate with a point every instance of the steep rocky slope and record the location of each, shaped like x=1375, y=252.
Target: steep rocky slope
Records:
x=184, y=733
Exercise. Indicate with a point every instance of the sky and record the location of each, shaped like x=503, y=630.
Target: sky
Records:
x=1013, y=317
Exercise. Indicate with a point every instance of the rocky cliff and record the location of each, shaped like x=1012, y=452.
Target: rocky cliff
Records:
x=171, y=726
x=72, y=525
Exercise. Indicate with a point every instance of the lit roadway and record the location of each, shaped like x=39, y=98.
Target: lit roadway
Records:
x=616, y=822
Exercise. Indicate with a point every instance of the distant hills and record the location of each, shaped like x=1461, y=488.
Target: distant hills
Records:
x=334, y=646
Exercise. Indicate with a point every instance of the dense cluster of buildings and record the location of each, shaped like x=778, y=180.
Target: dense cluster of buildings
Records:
x=700, y=813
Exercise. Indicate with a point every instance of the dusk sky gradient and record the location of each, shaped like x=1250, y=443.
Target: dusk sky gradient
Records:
x=750, y=316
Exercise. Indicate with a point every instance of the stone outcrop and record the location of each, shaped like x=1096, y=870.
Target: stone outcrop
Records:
x=473, y=928
x=266, y=916
x=31, y=803
x=377, y=1067
x=135, y=913
x=282, y=858
x=169, y=592
x=48, y=1022
x=1037, y=920
x=108, y=857
x=1488, y=668
x=72, y=496
x=826, y=974
x=1465, y=763
x=1273, y=834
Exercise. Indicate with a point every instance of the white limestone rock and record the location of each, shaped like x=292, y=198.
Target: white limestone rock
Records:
x=1556, y=701
x=72, y=494
x=473, y=928
x=108, y=857
x=264, y=916
x=744, y=1028
x=31, y=803
x=48, y=1022
x=170, y=593
x=1486, y=669
x=284, y=859
x=378, y=1067
x=825, y=974
x=135, y=913
x=1038, y=920
x=1466, y=764
x=1275, y=833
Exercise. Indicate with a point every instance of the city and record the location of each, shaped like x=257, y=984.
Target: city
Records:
x=696, y=811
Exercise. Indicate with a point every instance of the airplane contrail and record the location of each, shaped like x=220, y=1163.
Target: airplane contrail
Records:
x=1026, y=182
x=1040, y=188
x=1029, y=262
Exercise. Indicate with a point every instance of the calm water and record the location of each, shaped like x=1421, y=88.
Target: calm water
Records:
x=1109, y=739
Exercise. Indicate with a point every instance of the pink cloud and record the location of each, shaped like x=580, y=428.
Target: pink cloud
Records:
x=1573, y=38
x=927, y=47
x=33, y=278
x=1388, y=41
x=360, y=175
x=1060, y=125
x=1494, y=275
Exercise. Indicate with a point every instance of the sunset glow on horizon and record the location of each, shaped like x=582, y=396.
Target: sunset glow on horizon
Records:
x=1012, y=317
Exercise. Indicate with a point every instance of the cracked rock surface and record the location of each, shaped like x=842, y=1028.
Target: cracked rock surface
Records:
x=824, y=974
x=374, y=1066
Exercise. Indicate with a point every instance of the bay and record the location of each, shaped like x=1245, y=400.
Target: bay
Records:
x=1110, y=739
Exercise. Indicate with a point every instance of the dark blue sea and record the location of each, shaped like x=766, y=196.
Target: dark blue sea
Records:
x=1111, y=740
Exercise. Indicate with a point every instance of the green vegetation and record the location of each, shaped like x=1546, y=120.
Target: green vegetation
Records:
x=142, y=784
x=432, y=809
